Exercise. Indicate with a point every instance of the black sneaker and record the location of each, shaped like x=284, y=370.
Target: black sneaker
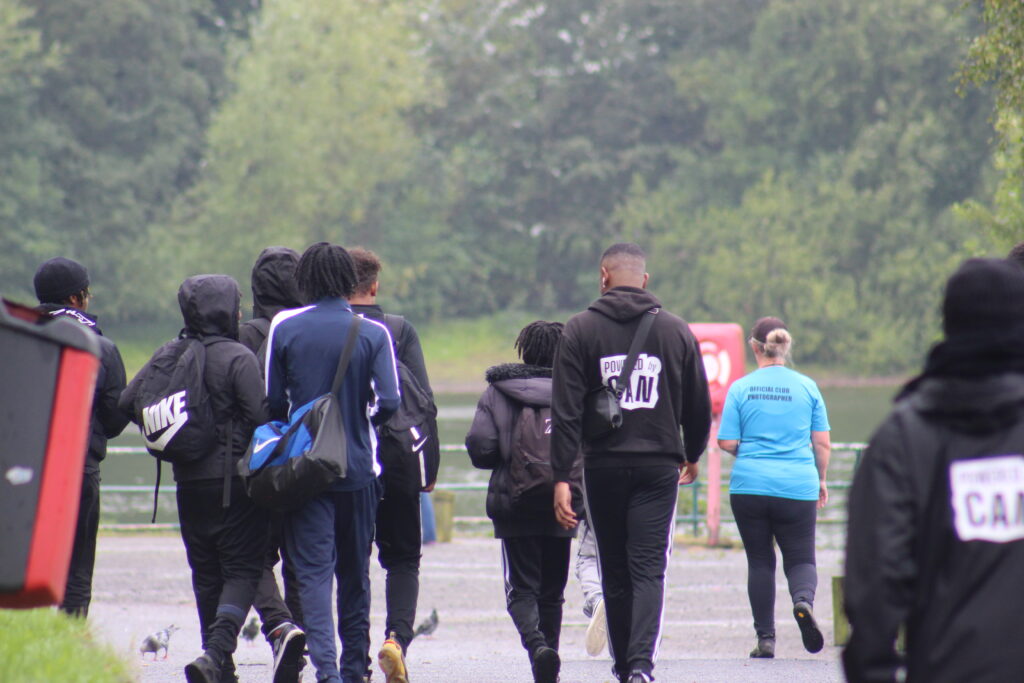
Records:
x=765, y=649
x=203, y=669
x=289, y=642
x=546, y=665
x=809, y=631
x=639, y=677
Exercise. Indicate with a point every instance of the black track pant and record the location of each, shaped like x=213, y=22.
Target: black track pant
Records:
x=399, y=543
x=789, y=522
x=268, y=604
x=631, y=511
x=226, y=550
x=536, y=569
x=78, y=593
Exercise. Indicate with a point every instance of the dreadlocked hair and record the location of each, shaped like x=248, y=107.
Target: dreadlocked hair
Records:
x=538, y=341
x=325, y=270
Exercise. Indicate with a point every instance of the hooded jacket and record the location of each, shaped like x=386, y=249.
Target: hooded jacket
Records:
x=107, y=419
x=936, y=536
x=489, y=444
x=273, y=290
x=210, y=305
x=668, y=388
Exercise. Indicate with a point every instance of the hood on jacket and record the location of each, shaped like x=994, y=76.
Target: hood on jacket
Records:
x=973, y=406
x=61, y=310
x=273, y=282
x=210, y=305
x=625, y=303
x=528, y=384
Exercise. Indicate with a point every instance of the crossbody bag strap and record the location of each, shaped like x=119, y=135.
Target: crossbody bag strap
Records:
x=634, y=352
x=346, y=353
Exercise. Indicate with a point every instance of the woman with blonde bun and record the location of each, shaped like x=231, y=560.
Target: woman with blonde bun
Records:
x=775, y=423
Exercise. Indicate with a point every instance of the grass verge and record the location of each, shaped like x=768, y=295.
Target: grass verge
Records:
x=45, y=645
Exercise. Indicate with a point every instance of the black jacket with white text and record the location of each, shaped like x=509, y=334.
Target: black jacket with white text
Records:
x=668, y=388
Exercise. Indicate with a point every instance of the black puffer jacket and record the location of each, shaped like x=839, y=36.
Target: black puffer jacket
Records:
x=936, y=536
x=273, y=290
x=107, y=420
x=210, y=305
x=489, y=444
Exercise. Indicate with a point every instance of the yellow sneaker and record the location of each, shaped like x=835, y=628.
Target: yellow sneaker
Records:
x=391, y=661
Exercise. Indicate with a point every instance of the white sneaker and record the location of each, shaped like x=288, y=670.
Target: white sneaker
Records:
x=597, y=631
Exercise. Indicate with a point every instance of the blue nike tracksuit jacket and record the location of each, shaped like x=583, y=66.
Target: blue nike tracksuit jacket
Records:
x=303, y=349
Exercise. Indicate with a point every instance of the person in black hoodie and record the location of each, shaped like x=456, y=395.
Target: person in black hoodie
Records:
x=630, y=475
x=398, y=533
x=225, y=540
x=62, y=287
x=935, y=541
x=534, y=546
x=274, y=289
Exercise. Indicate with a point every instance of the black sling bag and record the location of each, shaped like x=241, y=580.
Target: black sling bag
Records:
x=602, y=412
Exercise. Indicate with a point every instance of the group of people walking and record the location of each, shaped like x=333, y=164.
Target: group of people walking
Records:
x=596, y=428
x=253, y=372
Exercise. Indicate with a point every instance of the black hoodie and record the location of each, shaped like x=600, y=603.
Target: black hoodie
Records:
x=210, y=305
x=107, y=420
x=489, y=444
x=273, y=290
x=936, y=535
x=668, y=389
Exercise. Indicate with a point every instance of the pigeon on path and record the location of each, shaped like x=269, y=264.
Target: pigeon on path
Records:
x=427, y=626
x=251, y=630
x=155, y=642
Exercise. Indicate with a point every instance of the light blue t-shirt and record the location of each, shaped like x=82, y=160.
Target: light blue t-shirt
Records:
x=772, y=411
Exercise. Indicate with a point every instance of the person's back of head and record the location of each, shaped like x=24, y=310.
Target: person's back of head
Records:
x=623, y=265
x=59, y=279
x=1016, y=254
x=210, y=305
x=273, y=281
x=538, y=341
x=368, y=267
x=325, y=270
x=984, y=296
x=772, y=338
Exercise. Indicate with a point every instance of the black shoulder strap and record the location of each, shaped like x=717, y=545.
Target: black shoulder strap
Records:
x=634, y=351
x=396, y=324
x=346, y=353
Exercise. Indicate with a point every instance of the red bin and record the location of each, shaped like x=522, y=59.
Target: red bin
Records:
x=48, y=373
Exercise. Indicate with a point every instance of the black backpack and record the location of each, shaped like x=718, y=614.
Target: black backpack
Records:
x=407, y=444
x=530, y=476
x=172, y=405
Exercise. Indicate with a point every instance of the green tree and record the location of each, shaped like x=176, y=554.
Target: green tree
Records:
x=313, y=144
x=124, y=111
x=997, y=55
x=841, y=148
x=25, y=197
x=553, y=110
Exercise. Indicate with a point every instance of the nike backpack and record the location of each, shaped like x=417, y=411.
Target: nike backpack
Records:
x=407, y=444
x=172, y=405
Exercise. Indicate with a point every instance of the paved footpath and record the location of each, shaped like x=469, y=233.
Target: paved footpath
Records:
x=142, y=584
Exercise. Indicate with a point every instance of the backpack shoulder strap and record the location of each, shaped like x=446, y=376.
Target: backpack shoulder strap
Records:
x=396, y=325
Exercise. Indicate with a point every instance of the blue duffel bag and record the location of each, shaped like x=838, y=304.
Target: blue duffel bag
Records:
x=289, y=463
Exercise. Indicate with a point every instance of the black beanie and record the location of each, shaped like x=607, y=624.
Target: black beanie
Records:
x=983, y=295
x=59, y=278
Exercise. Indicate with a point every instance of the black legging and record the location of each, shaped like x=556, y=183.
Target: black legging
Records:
x=791, y=523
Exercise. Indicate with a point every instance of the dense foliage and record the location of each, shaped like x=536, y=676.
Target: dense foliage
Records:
x=801, y=158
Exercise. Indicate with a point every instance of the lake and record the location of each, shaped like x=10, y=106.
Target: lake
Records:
x=854, y=413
